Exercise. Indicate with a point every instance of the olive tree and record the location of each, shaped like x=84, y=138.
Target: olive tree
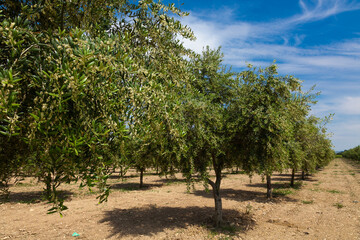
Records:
x=72, y=93
x=264, y=125
x=205, y=111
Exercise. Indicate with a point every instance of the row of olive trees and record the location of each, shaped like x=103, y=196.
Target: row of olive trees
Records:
x=353, y=153
x=77, y=93
x=255, y=119
x=105, y=85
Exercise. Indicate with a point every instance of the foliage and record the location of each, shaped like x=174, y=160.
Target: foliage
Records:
x=88, y=86
x=316, y=145
x=204, y=111
x=264, y=125
x=70, y=94
x=353, y=153
x=338, y=205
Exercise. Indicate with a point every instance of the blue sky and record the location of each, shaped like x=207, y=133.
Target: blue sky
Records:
x=317, y=41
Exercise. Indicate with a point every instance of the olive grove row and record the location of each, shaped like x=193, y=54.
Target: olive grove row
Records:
x=89, y=86
x=353, y=153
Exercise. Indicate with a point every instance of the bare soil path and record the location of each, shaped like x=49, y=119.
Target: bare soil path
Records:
x=325, y=206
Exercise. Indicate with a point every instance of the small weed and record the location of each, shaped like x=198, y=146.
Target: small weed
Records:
x=339, y=205
x=308, y=202
x=352, y=174
x=336, y=165
x=282, y=192
x=333, y=191
x=315, y=190
x=317, y=184
x=297, y=185
x=248, y=209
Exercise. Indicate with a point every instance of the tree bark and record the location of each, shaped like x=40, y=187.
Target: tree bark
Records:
x=121, y=172
x=216, y=194
x=269, y=187
x=141, y=177
x=292, y=177
x=48, y=186
x=303, y=175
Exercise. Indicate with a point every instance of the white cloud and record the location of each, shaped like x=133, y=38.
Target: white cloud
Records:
x=204, y=33
x=343, y=106
x=213, y=33
x=210, y=31
x=335, y=68
x=350, y=105
x=326, y=61
x=322, y=9
x=346, y=133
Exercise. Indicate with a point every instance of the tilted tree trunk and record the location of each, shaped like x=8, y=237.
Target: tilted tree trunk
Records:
x=216, y=194
x=269, y=187
x=292, y=177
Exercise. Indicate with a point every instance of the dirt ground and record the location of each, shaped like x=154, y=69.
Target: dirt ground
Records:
x=325, y=206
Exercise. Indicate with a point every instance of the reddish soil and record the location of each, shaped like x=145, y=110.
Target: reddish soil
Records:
x=325, y=206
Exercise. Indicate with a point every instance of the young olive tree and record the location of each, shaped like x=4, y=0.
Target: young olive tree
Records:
x=316, y=145
x=353, y=153
x=264, y=125
x=205, y=113
x=299, y=110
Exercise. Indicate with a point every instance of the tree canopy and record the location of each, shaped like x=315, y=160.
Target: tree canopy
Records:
x=353, y=153
x=88, y=86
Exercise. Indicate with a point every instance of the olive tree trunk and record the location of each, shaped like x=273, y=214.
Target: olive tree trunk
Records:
x=269, y=187
x=216, y=194
x=141, y=177
x=292, y=177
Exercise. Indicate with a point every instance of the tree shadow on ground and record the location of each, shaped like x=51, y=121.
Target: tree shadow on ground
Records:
x=309, y=179
x=150, y=220
x=117, y=176
x=33, y=197
x=244, y=195
x=283, y=179
x=170, y=181
x=276, y=185
x=287, y=178
x=133, y=186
